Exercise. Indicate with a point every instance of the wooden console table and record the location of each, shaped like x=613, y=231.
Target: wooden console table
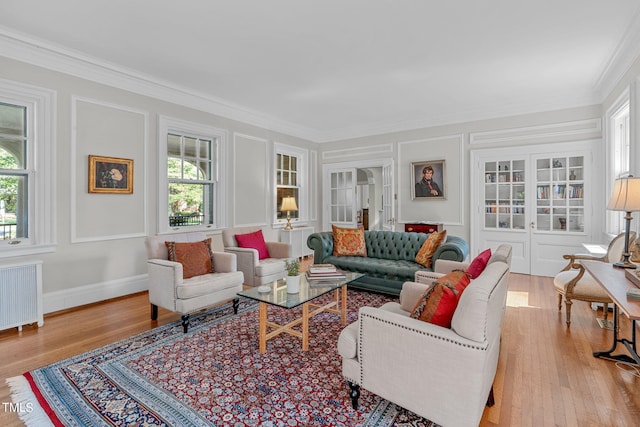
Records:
x=613, y=280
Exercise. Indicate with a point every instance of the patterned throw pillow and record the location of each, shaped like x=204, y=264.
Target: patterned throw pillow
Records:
x=439, y=302
x=255, y=241
x=348, y=241
x=479, y=263
x=196, y=257
x=424, y=256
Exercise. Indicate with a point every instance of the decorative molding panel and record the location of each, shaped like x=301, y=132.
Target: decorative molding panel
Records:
x=313, y=185
x=358, y=153
x=568, y=131
x=434, y=148
x=139, y=167
x=243, y=171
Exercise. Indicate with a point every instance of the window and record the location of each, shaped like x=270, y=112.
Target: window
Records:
x=190, y=190
x=619, y=149
x=26, y=180
x=290, y=167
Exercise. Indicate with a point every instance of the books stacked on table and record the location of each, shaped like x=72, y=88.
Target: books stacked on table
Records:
x=324, y=272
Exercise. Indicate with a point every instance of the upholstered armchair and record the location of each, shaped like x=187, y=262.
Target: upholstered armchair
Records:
x=443, y=374
x=168, y=287
x=261, y=262
x=573, y=282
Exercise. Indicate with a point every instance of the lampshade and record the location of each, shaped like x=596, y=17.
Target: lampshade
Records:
x=626, y=195
x=288, y=204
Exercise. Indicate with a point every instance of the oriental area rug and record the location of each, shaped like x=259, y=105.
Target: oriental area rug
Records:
x=212, y=376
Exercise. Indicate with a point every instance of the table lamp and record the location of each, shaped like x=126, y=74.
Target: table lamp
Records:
x=626, y=198
x=288, y=205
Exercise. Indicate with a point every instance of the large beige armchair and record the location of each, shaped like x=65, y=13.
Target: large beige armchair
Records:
x=168, y=289
x=257, y=271
x=445, y=375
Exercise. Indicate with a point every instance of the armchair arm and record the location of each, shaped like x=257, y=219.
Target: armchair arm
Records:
x=454, y=248
x=225, y=262
x=247, y=259
x=279, y=249
x=444, y=266
x=420, y=353
x=572, y=259
x=411, y=293
x=164, y=277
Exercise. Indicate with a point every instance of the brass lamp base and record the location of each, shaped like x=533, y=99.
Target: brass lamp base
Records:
x=288, y=225
x=625, y=264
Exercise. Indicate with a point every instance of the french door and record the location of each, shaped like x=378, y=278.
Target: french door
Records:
x=534, y=201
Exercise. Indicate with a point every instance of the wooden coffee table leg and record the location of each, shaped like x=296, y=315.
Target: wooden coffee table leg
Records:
x=305, y=326
x=343, y=307
x=263, y=327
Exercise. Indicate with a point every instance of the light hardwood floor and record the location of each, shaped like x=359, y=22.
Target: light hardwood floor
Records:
x=546, y=374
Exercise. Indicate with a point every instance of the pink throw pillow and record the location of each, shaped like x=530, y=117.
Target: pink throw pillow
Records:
x=479, y=263
x=254, y=240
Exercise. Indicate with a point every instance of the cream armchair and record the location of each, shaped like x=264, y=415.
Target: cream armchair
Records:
x=573, y=282
x=444, y=375
x=168, y=289
x=257, y=271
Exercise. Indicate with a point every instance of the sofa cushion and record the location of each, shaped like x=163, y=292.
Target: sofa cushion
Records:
x=196, y=257
x=348, y=241
x=255, y=241
x=439, y=302
x=425, y=254
x=479, y=263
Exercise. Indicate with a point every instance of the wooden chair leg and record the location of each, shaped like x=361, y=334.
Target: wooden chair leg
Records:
x=185, y=323
x=354, y=394
x=568, y=305
x=236, y=303
x=559, y=302
x=491, y=400
x=154, y=312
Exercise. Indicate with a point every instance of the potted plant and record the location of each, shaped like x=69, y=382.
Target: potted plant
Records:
x=293, y=275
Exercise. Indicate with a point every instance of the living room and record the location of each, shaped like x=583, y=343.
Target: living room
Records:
x=91, y=245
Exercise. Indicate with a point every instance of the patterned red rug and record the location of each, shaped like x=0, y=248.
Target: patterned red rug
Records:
x=212, y=376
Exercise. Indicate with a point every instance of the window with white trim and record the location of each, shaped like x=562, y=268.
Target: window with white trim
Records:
x=619, y=148
x=26, y=178
x=290, y=171
x=190, y=186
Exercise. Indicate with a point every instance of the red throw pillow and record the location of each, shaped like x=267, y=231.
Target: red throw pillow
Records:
x=196, y=257
x=439, y=302
x=254, y=240
x=479, y=263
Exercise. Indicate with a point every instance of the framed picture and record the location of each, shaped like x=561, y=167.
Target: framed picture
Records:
x=428, y=180
x=110, y=175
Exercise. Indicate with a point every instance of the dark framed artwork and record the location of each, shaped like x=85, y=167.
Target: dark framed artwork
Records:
x=110, y=175
x=428, y=180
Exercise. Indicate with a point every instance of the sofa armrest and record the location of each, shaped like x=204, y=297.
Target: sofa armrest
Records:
x=225, y=262
x=279, y=249
x=322, y=245
x=454, y=248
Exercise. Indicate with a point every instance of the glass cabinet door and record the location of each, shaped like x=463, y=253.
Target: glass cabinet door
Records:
x=560, y=194
x=504, y=194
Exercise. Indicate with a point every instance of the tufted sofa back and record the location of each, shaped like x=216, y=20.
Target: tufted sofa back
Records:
x=392, y=245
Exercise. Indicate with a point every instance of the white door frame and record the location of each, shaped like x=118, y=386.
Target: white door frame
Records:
x=327, y=168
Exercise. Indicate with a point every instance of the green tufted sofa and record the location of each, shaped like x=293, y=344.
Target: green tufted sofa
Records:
x=389, y=261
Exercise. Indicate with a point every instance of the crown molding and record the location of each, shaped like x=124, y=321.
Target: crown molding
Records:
x=621, y=60
x=40, y=53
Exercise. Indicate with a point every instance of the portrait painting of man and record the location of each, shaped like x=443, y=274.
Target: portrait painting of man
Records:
x=428, y=180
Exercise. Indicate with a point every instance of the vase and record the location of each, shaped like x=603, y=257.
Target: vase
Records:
x=293, y=284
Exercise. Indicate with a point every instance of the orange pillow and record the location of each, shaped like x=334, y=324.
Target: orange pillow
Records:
x=439, y=302
x=196, y=257
x=348, y=241
x=424, y=256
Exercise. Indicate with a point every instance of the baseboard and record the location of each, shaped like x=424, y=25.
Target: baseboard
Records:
x=88, y=294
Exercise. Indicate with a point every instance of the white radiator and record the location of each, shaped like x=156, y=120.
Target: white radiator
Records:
x=20, y=295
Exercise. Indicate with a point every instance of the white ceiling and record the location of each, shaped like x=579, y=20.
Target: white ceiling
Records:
x=333, y=69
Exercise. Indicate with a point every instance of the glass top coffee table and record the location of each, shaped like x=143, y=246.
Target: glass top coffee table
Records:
x=309, y=291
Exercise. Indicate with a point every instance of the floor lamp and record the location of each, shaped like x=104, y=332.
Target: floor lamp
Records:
x=288, y=205
x=626, y=198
